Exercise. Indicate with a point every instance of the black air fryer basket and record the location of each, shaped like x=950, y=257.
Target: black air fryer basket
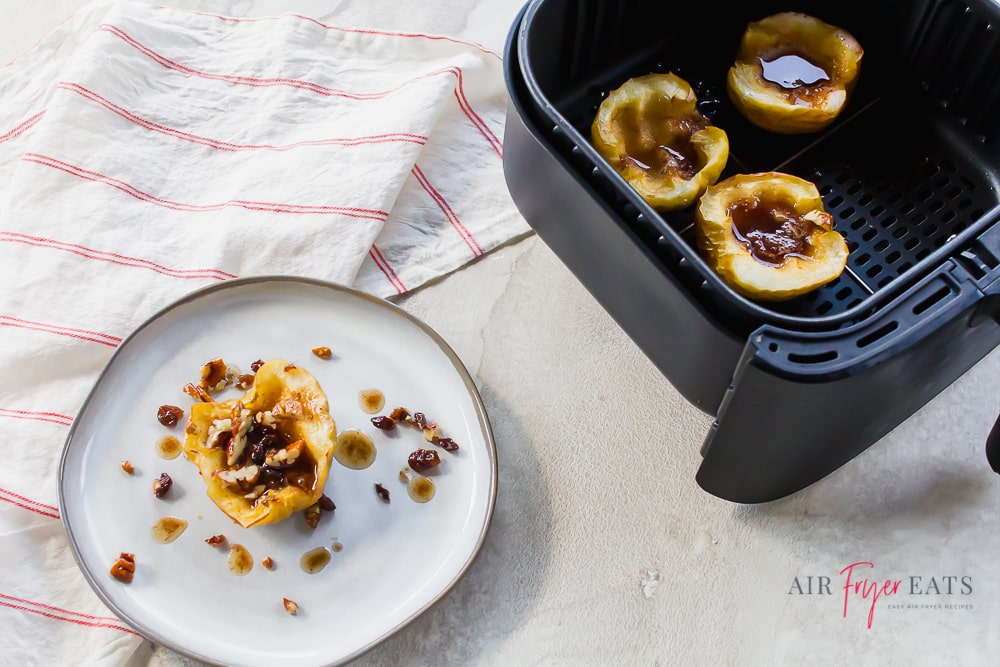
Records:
x=909, y=171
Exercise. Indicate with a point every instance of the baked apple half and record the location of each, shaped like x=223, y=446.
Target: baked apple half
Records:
x=267, y=454
x=651, y=132
x=793, y=73
x=768, y=236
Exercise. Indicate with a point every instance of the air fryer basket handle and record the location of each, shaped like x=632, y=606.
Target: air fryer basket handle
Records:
x=993, y=290
x=993, y=447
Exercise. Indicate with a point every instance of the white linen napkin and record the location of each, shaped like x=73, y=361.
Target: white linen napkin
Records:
x=146, y=152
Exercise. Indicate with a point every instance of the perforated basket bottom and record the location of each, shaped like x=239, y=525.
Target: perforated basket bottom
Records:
x=896, y=188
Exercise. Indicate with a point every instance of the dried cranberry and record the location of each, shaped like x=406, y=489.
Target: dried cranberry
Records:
x=161, y=485
x=383, y=422
x=169, y=415
x=382, y=492
x=258, y=453
x=447, y=444
x=424, y=459
x=255, y=366
x=420, y=419
x=272, y=477
x=216, y=540
x=326, y=504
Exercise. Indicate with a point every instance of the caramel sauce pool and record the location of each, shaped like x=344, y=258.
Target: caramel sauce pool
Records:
x=240, y=561
x=420, y=489
x=791, y=71
x=354, y=450
x=660, y=144
x=168, y=447
x=771, y=230
x=168, y=529
x=372, y=400
x=315, y=560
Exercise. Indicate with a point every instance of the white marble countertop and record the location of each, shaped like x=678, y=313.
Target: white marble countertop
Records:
x=603, y=549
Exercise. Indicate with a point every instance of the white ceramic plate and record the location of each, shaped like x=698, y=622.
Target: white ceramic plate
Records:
x=397, y=558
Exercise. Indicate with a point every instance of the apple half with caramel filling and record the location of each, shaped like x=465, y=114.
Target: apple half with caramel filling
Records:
x=651, y=132
x=793, y=73
x=768, y=236
x=267, y=454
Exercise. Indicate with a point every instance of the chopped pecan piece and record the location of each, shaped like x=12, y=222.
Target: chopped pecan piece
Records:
x=213, y=375
x=169, y=415
x=290, y=606
x=290, y=367
x=312, y=514
x=241, y=421
x=268, y=563
x=286, y=456
x=216, y=541
x=322, y=352
x=162, y=484
x=432, y=433
x=287, y=408
x=382, y=492
x=255, y=366
x=245, y=381
x=326, y=504
x=197, y=393
x=123, y=569
x=128, y=467
x=220, y=432
x=243, y=479
x=265, y=418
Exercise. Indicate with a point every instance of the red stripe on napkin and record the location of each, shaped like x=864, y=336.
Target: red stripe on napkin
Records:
x=81, y=334
x=361, y=31
x=389, y=137
x=22, y=127
x=65, y=615
x=311, y=86
x=112, y=257
x=28, y=504
x=132, y=191
x=51, y=417
x=384, y=266
x=447, y=210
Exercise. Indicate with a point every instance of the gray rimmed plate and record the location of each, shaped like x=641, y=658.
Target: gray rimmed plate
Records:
x=397, y=558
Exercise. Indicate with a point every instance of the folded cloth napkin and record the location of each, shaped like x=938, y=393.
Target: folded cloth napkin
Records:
x=147, y=151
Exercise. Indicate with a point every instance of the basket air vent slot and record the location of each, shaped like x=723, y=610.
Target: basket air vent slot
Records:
x=929, y=302
x=878, y=334
x=813, y=358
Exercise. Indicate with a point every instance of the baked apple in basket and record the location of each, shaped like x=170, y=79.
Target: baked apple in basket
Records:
x=651, y=132
x=768, y=236
x=793, y=73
